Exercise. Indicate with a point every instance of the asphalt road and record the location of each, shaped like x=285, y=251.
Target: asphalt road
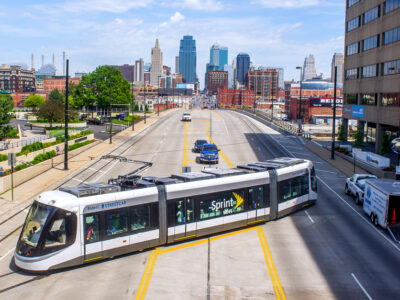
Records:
x=329, y=251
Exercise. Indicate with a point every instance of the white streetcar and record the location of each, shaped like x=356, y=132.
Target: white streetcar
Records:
x=90, y=222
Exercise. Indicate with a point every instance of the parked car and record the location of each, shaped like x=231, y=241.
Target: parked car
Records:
x=209, y=154
x=186, y=117
x=355, y=186
x=198, y=144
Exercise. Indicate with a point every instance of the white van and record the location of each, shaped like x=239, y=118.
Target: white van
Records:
x=382, y=204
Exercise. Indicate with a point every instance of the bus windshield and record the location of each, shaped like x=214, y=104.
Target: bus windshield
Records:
x=34, y=223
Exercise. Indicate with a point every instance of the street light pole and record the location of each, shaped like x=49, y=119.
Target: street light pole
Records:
x=334, y=117
x=110, y=110
x=145, y=103
x=133, y=112
x=158, y=97
x=66, y=119
x=299, y=117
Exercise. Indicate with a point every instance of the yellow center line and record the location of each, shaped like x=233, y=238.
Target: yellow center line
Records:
x=144, y=275
x=185, y=139
x=148, y=277
x=272, y=263
x=212, y=141
x=269, y=267
x=219, y=115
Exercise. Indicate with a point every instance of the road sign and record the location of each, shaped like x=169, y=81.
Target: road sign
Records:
x=12, y=159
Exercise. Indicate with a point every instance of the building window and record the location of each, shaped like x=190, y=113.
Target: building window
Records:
x=353, y=49
x=352, y=99
x=350, y=3
x=391, y=36
x=391, y=5
x=391, y=99
x=352, y=74
x=353, y=24
x=368, y=99
x=372, y=14
x=391, y=67
x=369, y=71
x=371, y=43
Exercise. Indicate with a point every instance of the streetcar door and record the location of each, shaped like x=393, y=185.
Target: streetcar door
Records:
x=256, y=209
x=184, y=219
x=92, y=240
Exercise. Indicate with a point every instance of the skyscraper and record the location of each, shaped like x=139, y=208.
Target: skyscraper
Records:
x=242, y=67
x=338, y=61
x=156, y=64
x=187, y=59
x=309, y=71
x=139, y=70
x=218, y=56
x=176, y=64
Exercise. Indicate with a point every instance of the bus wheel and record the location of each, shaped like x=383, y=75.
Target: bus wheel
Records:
x=376, y=222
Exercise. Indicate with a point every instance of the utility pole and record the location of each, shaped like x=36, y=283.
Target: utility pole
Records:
x=158, y=97
x=110, y=110
x=133, y=112
x=145, y=103
x=334, y=117
x=300, y=119
x=66, y=119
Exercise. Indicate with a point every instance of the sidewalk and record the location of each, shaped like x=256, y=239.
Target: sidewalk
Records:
x=24, y=193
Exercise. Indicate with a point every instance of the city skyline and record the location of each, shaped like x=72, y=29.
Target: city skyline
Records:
x=274, y=33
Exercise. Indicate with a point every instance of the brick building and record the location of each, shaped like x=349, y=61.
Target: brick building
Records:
x=264, y=81
x=50, y=84
x=128, y=72
x=19, y=98
x=235, y=98
x=16, y=79
x=217, y=80
x=311, y=108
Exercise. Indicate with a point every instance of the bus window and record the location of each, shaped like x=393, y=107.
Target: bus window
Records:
x=92, y=228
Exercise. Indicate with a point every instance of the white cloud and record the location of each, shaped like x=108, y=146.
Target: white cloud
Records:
x=176, y=17
x=203, y=5
x=111, y=6
x=287, y=3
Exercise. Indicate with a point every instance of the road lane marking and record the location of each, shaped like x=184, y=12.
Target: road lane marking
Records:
x=219, y=115
x=185, y=140
x=221, y=152
x=312, y=221
x=268, y=264
x=150, y=272
x=365, y=220
x=272, y=264
x=5, y=255
x=145, y=274
x=319, y=170
x=361, y=287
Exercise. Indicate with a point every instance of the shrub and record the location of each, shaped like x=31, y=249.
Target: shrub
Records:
x=43, y=156
x=75, y=136
x=78, y=145
x=359, y=136
x=30, y=148
x=3, y=157
x=21, y=167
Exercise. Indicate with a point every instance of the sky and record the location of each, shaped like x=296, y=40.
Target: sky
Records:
x=275, y=33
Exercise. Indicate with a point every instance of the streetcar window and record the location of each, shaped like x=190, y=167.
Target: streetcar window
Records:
x=293, y=188
x=140, y=217
x=189, y=210
x=57, y=235
x=92, y=233
x=314, y=180
x=116, y=222
x=256, y=198
x=233, y=202
x=179, y=211
x=209, y=206
x=34, y=223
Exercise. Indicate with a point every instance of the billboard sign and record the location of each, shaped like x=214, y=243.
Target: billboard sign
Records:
x=325, y=102
x=357, y=111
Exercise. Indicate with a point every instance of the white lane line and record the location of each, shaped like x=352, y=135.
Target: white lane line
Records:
x=316, y=143
x=301, y=140
x=300, y=153
x=8, y=252
x=362, y=218
x=361, y=287
x=312, y=221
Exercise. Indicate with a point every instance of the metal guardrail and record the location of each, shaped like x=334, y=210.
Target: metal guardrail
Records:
x=11, y=145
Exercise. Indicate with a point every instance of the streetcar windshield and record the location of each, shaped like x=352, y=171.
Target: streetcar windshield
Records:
x=34, y=223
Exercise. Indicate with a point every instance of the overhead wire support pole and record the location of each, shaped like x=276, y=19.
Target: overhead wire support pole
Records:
x=66, y=118
x=110, y=110
x=334, y=117
x=133, y=112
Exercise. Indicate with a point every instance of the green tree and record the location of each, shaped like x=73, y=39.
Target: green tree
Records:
x=359, y=136
x=56, y=95
x=136, y=107
x=95, y=88
x=6, y=106
x=52, y=111
x=386, y=141
x=34, y=101
x=341, y=134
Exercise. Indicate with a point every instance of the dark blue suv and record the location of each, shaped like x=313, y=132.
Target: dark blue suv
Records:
x=209, y=154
